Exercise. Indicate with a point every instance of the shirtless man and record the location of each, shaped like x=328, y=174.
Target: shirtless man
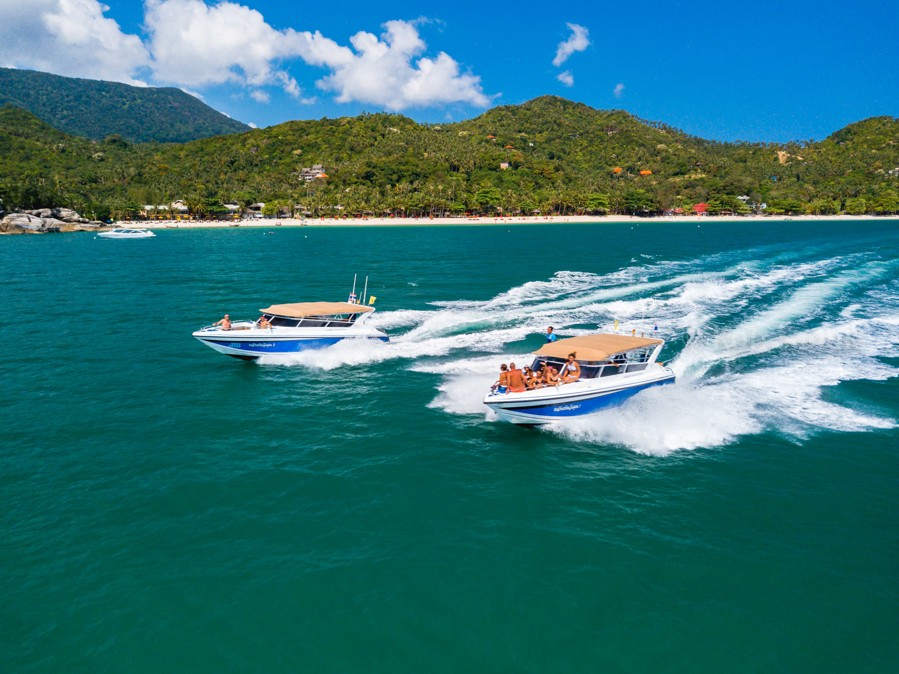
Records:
x=516, y=380
x=571, y=371
x=264, y=324
x=225, y=323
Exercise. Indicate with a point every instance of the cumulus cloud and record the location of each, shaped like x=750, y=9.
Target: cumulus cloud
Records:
x=195, y=44
x=579, y=40
x=618, y=90
x=71, y=38
x=384, y=71
x=566, y=78
x=251, y=125
x=192, y=44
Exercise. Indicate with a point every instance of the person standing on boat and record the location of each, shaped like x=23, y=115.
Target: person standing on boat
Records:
x=225, y=323
x=550, y=337
x=571, y=371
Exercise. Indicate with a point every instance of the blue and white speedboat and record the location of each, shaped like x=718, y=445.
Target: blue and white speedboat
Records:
x=289, y=328
x=612, y=369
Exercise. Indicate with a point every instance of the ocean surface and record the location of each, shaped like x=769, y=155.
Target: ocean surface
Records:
x=165, y=508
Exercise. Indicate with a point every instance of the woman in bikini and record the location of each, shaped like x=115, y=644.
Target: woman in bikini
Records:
x=571, y=371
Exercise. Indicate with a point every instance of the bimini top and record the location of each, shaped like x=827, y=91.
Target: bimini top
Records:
x=594, y=348
x=303, y=309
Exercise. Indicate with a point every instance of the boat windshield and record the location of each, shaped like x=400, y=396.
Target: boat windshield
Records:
x=630, y=361
x=336, y=321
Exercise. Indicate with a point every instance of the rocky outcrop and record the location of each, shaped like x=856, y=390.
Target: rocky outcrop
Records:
x=46, y=220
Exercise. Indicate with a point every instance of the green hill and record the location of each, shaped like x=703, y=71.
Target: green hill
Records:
x=548, y=154
x=95, y=109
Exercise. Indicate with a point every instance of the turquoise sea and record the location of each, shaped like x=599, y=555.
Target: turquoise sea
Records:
x=164, y=508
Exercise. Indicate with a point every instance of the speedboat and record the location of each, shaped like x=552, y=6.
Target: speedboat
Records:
x=289, y=328
x=612, y=369
x=126, y=233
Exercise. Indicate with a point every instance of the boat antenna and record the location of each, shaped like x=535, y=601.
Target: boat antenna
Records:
x=354, y=285
x=365, y=292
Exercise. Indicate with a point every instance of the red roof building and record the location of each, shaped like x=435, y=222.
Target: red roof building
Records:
x=700, y=208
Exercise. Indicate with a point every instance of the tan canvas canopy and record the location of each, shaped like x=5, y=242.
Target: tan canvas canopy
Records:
x=303, y=309
x=594, y=347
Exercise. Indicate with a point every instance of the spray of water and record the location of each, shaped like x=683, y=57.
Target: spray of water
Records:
x=755, y=337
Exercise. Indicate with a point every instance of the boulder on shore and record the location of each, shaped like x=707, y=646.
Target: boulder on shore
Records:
x=31, y=222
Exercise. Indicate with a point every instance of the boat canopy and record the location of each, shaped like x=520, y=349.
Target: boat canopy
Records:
x=303, y=309
x=595, y=348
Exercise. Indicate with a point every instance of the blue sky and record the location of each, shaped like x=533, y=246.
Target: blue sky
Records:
x=757, y=71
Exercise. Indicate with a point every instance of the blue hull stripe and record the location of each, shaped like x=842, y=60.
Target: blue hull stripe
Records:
x=581, y=407
x=283, y=346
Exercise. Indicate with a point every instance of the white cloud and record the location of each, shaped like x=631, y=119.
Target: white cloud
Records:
x=251, y=125
x=192, y=93
x=194, y=44
x=566, y=78
x=618, y=90
x=579, y=40
x=384, y=71
x=69, y=37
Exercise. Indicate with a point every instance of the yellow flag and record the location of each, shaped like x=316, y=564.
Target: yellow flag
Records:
x=372, y=300
x=616, y=325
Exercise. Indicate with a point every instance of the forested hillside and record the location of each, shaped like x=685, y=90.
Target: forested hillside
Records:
x=96, y=109
x=549, y=154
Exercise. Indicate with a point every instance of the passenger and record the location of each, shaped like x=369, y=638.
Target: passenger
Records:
x=550, y=378
x=264, y=324
x=530, y=379
x=539, y=375
x=571, y=371
x=225, y=323
x=516, y=380
x=503, y=382
x=550, y=337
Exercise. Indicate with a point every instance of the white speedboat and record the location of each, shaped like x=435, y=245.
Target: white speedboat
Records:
x=288, y=328
x=612, y=369
x=127, y=233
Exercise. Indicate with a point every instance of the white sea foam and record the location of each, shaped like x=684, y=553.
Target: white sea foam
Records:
x=767, y=331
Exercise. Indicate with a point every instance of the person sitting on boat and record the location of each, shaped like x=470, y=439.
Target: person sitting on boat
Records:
x=516, y=380
x=550, y=376
x=571, y=371
x=502, y=385
x=225, y=323
x=530, y=379
x=264, y=324
x=550, y=337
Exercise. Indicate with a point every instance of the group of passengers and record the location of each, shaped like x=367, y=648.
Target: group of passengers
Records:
x=225, y=323
x=513, y=380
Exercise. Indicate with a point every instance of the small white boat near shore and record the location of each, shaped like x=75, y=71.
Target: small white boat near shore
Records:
x=127, y=233
x=612, y=369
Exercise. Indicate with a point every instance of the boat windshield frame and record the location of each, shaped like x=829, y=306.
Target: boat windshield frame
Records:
x=321, y=321
x=633, y=360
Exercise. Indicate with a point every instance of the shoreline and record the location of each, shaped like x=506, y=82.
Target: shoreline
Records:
x=462, y=222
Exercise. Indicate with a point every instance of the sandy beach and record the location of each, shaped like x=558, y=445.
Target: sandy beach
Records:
x=421, y=222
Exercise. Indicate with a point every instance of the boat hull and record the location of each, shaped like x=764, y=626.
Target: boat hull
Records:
x=251, y=347
x=548, y=405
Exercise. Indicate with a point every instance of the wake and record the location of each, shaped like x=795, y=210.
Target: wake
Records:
x=754, y=337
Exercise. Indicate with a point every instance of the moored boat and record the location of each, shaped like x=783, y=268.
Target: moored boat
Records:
x=127, y=233
x=289, y=328
x=612, y=369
